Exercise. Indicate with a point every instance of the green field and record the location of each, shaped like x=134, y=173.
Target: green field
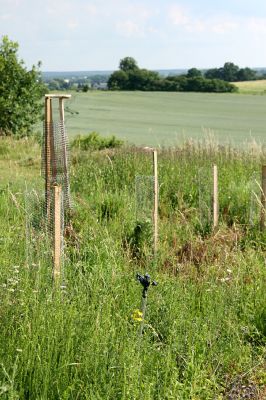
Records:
x=157, y=119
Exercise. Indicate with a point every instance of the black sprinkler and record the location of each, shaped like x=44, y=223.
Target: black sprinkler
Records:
x=145, y=280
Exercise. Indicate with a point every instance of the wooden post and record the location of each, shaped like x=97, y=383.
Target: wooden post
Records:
x=155, y=208
x=57, y=232
x=263, y=198
x=48, y=124
x=215, y=197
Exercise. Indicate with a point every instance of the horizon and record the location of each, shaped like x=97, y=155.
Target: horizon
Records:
x=92, y=35
x=152, y=69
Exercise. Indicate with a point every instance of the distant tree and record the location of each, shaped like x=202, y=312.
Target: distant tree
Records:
x=54, y=84
x=246, y=74
x=230, y=71
x=85, y=88
x=142, y=79
x=128, y=64
x=214, y=73
x=193, y=73
x=20, y=92
x=118, y=80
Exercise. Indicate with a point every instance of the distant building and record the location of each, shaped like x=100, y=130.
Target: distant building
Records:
x=100, y=86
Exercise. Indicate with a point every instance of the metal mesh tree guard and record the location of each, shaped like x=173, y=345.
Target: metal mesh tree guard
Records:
x=45, y=239
x=255, y=199
x=144, y=197
x=205, y=196
x=55, y=154
x=46, y=215
x=36, y=230
x=147, y=199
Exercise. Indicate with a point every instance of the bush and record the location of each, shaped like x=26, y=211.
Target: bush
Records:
x=96, y=142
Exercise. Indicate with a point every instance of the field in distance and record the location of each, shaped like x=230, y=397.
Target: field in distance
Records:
x=252, y=87
x=159, y=118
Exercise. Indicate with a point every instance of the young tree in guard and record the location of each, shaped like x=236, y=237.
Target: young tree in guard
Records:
x=55, y=169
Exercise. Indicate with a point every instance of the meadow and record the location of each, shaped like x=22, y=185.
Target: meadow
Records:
x=205, y=326
x=166, y=119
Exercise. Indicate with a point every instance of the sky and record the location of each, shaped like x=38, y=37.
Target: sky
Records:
x=160, y=34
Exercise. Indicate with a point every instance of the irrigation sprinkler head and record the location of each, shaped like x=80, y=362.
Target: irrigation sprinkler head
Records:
x=145, y=281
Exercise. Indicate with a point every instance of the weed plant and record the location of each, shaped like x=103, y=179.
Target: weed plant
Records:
x=205, y=322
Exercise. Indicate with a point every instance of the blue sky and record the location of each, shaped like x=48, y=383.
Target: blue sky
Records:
x=96, y=34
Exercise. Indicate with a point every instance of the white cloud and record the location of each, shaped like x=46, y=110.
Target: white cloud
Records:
x=129, y=29
x=5, y=17
x=178, y=15
x=224, y=26
x=91, y=10
x=257, y=25
x=14, y=3
x=72, y=24
x=140, y=11
x=182, y=18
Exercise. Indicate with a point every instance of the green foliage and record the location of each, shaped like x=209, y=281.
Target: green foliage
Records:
x=85, y=88
x=118, y=80
x=193, y=73
x=96, y=142
x=130, y=77
x=200, y=84
x=139, y=240
x=231, y=73
x=20, y=92
x=128, y=64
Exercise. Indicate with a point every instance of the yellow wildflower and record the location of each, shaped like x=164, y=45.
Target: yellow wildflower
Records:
x=137, y=316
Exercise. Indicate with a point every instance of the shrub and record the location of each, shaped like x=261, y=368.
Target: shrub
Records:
x=96, y=142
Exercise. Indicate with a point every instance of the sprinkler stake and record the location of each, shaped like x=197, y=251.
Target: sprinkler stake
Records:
x=145, y=281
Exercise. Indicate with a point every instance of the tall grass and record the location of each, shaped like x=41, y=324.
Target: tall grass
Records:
x=205, y=322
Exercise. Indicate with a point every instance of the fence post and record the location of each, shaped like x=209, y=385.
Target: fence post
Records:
x=215, y=197
x=155, y=208
x=263, y=197
x=57, y=191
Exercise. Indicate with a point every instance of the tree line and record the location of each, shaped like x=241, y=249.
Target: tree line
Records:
x=131, y=77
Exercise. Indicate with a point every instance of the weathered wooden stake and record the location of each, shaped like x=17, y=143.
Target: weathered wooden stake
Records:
x=215, y=197
x=57, y=191
x=48, y=126
x=263, y=198
x=155, y=208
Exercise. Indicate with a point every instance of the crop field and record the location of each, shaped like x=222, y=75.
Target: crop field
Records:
x=204, y=331
x=252, y=87
x=163, y=119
